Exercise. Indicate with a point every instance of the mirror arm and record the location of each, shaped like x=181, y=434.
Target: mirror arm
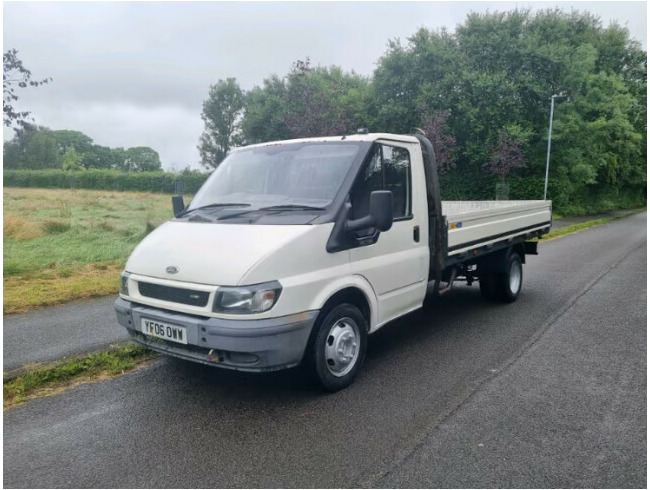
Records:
x=360, y=224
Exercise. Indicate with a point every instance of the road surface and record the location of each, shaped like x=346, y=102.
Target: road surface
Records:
x=547, y=392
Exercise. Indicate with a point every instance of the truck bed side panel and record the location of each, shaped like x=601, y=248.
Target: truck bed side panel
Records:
x=473, y=224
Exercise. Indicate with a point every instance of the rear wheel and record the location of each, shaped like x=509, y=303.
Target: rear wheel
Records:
x=508, y=284
x=488, y=286
x=503, y=286
x=339, y=347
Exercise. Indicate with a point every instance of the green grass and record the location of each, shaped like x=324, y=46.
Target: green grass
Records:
x=54, y=379
x=60, y=245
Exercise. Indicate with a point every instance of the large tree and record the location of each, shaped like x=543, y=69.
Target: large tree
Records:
x=15, y=76
x=497, y=73
x=140, y=159
x=323, y=101
x=308, y=101
x=36, y=148
x=32, y=148
x=222, y=117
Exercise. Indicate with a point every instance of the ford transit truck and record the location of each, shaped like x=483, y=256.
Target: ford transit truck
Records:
x=293, y=252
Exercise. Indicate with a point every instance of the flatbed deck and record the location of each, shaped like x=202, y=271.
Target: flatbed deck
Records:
x=475, y=224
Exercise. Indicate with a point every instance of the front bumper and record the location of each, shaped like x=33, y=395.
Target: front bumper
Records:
x=246, y=345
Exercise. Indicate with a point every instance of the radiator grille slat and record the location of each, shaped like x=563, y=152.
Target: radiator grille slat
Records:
x=175, y=295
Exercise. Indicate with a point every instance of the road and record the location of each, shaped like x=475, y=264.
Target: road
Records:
x=547, y=392
x=51, y=333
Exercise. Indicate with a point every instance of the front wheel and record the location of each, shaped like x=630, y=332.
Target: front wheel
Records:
x=339, y=347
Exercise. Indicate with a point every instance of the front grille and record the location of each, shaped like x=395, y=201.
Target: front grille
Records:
x=175, y=295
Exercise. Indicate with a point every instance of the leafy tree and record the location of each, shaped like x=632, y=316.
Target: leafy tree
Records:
x=31, y=148
x=140, y=159
x=36, y=148
x=506, y=156
x=14, y=76
x=67, y=139
x=264, y=115
x=72, y=160
x=103, y=157
x=444, y=144
x=308, y=101
x=221, y=114
x=321, y=101
x=497, y=73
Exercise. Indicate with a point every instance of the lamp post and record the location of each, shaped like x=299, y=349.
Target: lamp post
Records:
x=550, y=130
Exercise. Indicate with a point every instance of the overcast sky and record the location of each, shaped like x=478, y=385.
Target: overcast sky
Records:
x=136, y=74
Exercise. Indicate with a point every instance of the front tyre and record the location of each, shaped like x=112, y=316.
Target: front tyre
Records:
x=339, y=347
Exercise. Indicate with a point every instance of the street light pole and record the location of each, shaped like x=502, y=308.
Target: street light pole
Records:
x=548, y=150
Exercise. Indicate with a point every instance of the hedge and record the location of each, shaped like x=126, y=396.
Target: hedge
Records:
x=455, y=186
x=109, y=180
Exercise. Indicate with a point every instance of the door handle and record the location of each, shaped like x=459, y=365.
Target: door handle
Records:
x=416, y=234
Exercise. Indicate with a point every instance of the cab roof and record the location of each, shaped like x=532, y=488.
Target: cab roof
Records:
x=368, y=137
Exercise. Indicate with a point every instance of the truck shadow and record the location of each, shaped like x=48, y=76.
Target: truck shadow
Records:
x=396, y=339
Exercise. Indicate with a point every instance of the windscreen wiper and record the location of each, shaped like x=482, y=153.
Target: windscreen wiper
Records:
x=279, y=209
x=289, y=207
x=213, y=206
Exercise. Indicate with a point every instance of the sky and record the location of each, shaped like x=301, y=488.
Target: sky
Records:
x=136, y=73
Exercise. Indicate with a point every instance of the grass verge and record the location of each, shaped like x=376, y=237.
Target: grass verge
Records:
x=60, y=245
x=56, y=378
x=24, y=293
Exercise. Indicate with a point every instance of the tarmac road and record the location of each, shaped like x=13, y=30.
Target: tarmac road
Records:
x=51, y=333
x=547, y=392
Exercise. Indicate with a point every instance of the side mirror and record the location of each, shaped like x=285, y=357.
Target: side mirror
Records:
x=178, y=205
x=380, y=214
x=381, y=209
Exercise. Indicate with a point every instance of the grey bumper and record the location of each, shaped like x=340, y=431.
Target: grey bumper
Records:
x=246, y=345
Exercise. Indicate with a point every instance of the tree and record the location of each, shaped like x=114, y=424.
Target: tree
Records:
x=14, y=76
x=264, y=114
x=322, y=101
x=507, y=155
x=221, y=114
x=140, y=159
x=72, y=160
x=32, y=148
x=67, y=139
x=444, y=144
x=104, y=157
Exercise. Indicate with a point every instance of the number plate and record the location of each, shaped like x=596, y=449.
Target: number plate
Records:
x=164, y=331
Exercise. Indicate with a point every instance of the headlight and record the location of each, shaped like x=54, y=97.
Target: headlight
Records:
x=247, y=299
x=124, y=283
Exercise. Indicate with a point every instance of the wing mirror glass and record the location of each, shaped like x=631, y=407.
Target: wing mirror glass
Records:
x=177, y=204
x=380, y=213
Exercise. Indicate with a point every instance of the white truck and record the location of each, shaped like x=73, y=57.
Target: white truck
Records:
x=295, y=251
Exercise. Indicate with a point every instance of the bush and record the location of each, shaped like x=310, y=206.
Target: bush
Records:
x=108, y=180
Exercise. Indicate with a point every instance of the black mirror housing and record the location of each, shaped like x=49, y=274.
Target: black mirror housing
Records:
x=178, y=205
x=381, y=209
x=380, y=214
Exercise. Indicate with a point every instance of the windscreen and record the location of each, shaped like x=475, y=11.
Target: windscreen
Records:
x=307, y=174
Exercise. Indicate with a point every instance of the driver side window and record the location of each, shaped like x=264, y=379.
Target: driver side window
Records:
x=389, y=169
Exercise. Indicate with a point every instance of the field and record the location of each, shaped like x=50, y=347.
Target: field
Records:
x=60, y=245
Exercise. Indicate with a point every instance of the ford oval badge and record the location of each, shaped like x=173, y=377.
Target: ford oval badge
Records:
x=172, y=269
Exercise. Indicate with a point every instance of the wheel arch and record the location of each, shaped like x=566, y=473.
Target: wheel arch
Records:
x=354, y=290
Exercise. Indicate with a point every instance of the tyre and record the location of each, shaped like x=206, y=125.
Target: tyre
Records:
x=338, y=347
x=487, y=284
x=508, y=284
